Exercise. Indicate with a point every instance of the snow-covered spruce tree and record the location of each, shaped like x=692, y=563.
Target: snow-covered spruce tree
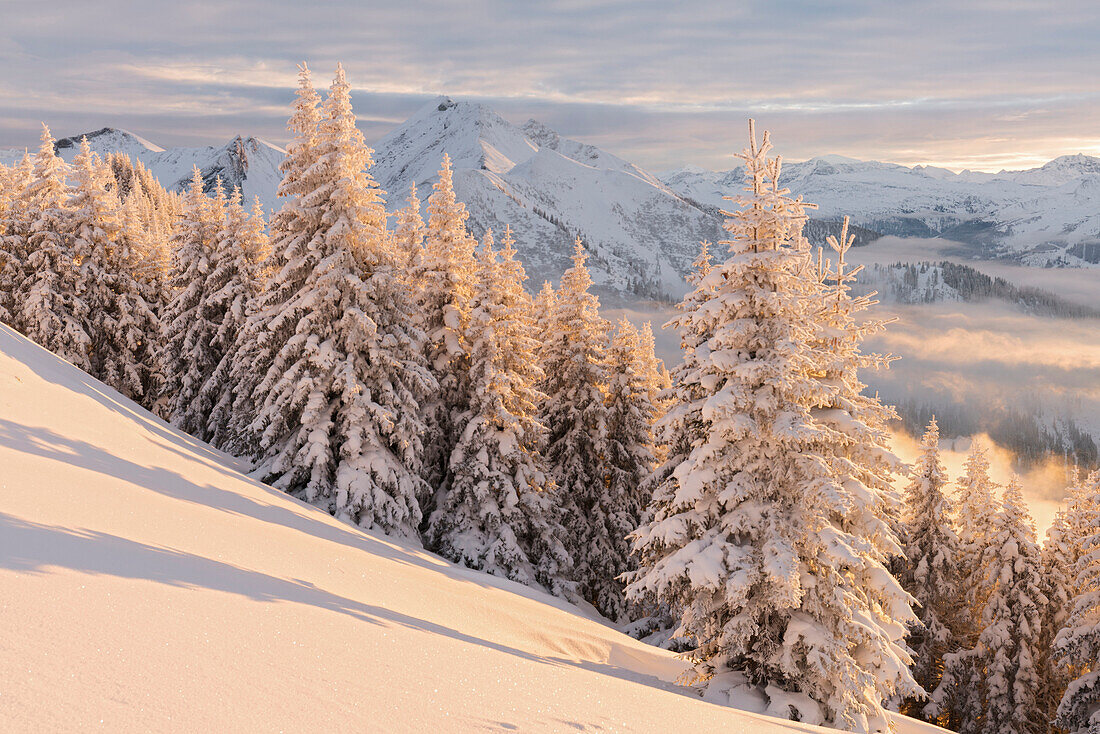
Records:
x=122, y=326
x=930, y=570
x=778, y=592
x=14, y=230
x=446, y=279
x=408, y=234
x=190, y=353
x=1077, y=644
x=575, y=416
x=339, y=410
x=146, y=239
x=853, y=441
x=651, y=368
x=958, y=700
x=1007, y=645
x=543, y=310
x=630, y=461
x=235, y=279
x=677, y=432
x=976, y=509
x=1062, y=551
x=265, y=331
x=51, y=311
x=498, y=513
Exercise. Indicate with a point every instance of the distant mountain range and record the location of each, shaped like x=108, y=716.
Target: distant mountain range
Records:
x=643, y=230
x=1042, y=216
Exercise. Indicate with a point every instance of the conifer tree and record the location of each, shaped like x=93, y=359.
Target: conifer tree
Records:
x=575, y=416
x=51, y=311
x=409, y=232
x=775, y=588
x=677, y=432
x=976, y=515
x=543, y=310
x=14, y=229
x=446, y=287
x=264, y=332
x=630, y=461
x=146, y=239
x=930, y=572
x=191, y=353
x=338, y=422
x=235, y=280
x=651, y=368
x=853, y=438
x=1061, y=554
x=959, y=698
x=1077, y=645
x=498, y=512
x=123, y=328
x=1007, y=645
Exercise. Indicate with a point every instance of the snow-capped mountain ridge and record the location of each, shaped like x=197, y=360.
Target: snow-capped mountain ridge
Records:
x=643, y=229
x=116, y=140
x=549, y=189
x=248, y=162
x=1046, y=215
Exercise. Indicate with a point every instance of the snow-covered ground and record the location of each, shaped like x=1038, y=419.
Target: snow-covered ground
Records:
x=145, y=584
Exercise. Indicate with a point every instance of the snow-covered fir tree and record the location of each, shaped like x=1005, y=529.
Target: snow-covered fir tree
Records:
x=498, y=513
x=1061, y=553
x=575, y=415
x=676, y=433
x=930, y=570
x=976, y=508
x=445, y=282
x=235, y=280
x=853, y=441
x=777, y=591
x=339, y=416
x=958, y=700
x=191, y=353
x=651, y=368
x=408, y=233
x=543, y=309
x=1012, y=624
x=629, y=459
x=146, y=237
x=14, y=228
x=264, y=332
x=1077, y=645
x=50, y=309
x=123, y=328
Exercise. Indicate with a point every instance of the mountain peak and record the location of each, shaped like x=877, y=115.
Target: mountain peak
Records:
x=111, y=138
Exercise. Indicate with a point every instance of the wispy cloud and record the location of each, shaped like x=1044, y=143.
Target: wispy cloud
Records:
x=956, y=84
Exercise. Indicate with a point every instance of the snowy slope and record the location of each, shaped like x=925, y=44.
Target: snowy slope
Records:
x=1039, y=216
x=251, y=163
x=145, y=584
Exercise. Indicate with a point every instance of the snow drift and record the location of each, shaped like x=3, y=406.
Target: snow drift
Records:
x=146, y=584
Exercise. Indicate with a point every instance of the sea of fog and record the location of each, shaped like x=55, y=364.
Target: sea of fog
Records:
x=973, y=354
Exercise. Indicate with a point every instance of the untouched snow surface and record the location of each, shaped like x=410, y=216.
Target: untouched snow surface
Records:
x=145, y=584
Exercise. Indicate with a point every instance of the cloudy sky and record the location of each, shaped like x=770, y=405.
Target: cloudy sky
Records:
x=976, y=84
